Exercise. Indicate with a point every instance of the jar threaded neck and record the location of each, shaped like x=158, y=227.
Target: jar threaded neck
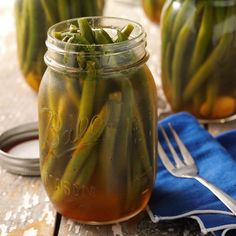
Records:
x=110, y=57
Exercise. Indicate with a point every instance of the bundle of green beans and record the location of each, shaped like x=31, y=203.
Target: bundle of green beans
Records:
x=153, y=9
x=33, y=18
x=198, y=55
x=98, y=129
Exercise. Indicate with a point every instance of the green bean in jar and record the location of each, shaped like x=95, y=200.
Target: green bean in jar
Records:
x=198, y=55
x=33, y=18
x=97, y=120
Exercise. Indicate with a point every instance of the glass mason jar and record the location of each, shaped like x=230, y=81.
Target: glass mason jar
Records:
x=33, y=18
x=198, y=57
x=153, y=9
x=97, y=125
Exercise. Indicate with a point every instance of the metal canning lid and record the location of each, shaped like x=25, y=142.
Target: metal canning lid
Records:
x=19, y=150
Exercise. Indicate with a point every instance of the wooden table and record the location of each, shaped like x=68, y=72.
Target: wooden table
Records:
x=24, y=206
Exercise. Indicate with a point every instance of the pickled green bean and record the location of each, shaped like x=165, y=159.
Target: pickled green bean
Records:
x=184, y=13
x=88, y=7
x=76, y=8
x=18, y=14
x=167, y=44
x=82, y=151
x=142, y=151
x=74, y=91
x=208, y=67
x=102, y=37
x=212, y=89
x=56, y=150
x=203, y=40
x=33, y=39
x=137, y=123
x=127, y=30
x=49, y=11
x=88, y=92
x=22, y=33
x=88, y=169
x=63, y=10
x=86, y=30
x=123, y=34
x=106, y=152
x=33, y=18
x=120, y=37
x=178, y=62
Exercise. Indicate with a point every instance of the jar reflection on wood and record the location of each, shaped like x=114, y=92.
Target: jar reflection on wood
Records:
x=33, y=18
x=153, y=9
x=97, y=122
x=198, y=57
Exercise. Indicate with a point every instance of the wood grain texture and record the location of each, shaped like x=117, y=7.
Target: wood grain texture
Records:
x=24, y=207
x=69, y=227
x=140, y=225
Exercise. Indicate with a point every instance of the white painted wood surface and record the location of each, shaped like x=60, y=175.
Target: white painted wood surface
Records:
x=24, y=207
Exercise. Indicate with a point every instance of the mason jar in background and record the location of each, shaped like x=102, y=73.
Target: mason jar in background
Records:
x=97, y=120
x=198, y=57
x=33, y=18
x=153, y=9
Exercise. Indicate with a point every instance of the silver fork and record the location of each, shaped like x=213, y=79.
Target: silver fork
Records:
x=187, y=168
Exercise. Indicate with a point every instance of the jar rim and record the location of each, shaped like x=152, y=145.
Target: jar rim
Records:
x=135, y=45
x=137, y=25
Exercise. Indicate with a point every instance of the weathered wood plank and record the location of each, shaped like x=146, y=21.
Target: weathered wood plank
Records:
x=69, y=227
x=24, y=206
x=140, y=225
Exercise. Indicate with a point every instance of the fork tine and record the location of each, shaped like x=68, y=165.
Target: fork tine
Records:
x=169, y=166
x=178, y=162
x=184, y=151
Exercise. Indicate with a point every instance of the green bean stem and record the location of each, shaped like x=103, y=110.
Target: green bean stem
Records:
x=86, y=30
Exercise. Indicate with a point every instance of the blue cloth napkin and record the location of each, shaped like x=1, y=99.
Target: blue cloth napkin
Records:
x=174, y=197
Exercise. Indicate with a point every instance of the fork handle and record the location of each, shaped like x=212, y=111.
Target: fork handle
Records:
x=222, y=196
